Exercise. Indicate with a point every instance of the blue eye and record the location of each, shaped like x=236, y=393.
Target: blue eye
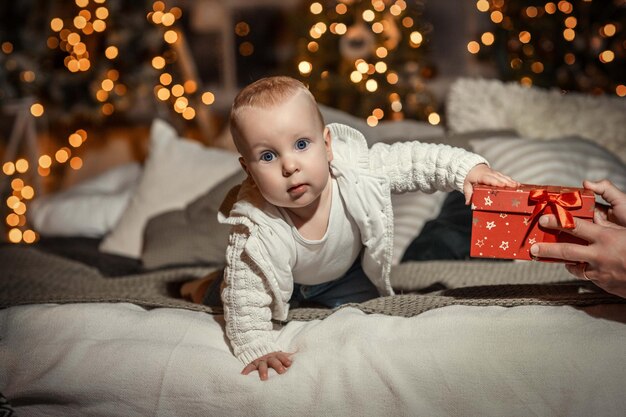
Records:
x=267, y=157
x=302, y=144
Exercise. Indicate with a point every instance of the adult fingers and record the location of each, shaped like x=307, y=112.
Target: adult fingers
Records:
x=600, y=213
x=600, y=219
x=605, y=188
x=583, y=229
x=579, y=270
x=571, y=252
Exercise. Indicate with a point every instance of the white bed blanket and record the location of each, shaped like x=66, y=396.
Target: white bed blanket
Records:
x=122, y=360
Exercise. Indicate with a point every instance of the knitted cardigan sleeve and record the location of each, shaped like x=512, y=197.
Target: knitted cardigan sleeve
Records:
x=427, y=167
x=247, y=302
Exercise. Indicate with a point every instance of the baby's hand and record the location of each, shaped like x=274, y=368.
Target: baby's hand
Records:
x=279, y=361
x=482, y=174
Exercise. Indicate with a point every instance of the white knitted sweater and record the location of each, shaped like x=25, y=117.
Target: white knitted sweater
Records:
x=261, y=251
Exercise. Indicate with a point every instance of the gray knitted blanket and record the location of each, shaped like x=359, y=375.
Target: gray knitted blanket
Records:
x=30, y=276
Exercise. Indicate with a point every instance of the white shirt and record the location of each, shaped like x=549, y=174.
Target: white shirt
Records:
x=316, y=260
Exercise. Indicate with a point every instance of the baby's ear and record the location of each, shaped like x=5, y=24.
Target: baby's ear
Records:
x=328, y=144
x=242, y=162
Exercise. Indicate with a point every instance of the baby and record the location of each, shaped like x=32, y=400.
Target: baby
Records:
x=312, y=222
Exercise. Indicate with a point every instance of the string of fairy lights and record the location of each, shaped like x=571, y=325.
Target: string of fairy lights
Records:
x=552, y=38
x=70, y=35
x=168, y=90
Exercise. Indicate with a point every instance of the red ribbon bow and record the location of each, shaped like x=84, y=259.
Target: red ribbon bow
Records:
x=560, y=203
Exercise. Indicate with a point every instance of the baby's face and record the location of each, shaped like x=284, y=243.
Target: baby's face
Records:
x=286, y=151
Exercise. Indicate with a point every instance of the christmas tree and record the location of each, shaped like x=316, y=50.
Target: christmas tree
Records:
x=577, y=45
x=367, y=57
x=68, y=69
x=84, y=61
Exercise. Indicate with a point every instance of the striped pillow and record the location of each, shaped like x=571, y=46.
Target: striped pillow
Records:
x=410, y=212
x=566, y=161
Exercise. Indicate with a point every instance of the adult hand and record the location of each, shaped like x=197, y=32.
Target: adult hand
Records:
x=279, y=361
x=602, y=261
x=617, y=200
x=482, y=174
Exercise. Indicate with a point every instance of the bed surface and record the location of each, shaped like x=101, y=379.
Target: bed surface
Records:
x=465, y=338
x=122, y=360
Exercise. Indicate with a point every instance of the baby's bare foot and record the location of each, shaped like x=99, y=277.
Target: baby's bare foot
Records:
x=194, y=290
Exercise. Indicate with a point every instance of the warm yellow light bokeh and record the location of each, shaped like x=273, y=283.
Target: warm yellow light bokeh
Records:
x=473, y=47
x=208, y=98
x=62, y=155
x=165, y=78
x=12, y=220
x=170, y=36
x=17, y=184
x=8, y=168
x=102, y=13
x=371, y=85
x=37, y=110
x=45, y=161
x=158, y=62
x=482, y=5
x=434, y=118
x=75, y=140
x=76, y=163
x=56, y=24
x=28, y=192
x=111, y=52
x=356, y=77
x=487, y=38
x=316, y=8
x=305, y=67
x=177, y=90
x=29, y=236
x=608, y=30
x=15, y=236
x=163, y=93
x=607, y=56
x=21, y=165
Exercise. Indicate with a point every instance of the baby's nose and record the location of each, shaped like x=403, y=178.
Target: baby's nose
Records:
x=290, y=165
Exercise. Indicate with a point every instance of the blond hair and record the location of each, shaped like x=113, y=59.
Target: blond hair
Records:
x=265, y=93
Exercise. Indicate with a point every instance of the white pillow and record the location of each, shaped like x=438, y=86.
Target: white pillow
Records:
x=566, y=161
x=176, y=172
x=90, y=208
x=478, y=104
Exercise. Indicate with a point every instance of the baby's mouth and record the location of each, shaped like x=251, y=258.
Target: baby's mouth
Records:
x=297, y=189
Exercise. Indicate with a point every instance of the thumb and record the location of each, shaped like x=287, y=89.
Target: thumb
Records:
x=600, y=220
x=605, y=189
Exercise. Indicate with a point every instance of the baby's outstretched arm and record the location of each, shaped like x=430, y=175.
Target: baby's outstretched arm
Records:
x=279, y=361
x=482, y=174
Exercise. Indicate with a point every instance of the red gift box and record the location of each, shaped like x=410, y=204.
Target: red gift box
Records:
x=505, y=219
